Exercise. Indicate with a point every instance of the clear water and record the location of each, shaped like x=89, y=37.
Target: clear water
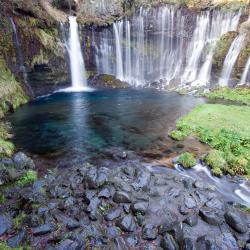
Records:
x=81, y=125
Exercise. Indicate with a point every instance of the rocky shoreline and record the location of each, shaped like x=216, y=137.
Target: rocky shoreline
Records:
x=120, y=204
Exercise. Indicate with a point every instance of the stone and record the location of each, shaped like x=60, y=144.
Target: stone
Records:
x=16, y=240
x=227, y=241
x=104, y=193
x=139, y=207
x=68, y=245
x=236, y=221
x=5, y=224
x=190, y=203
x=211, y=216
x=113, y=232
x=205, y=242
x=216, y=204
x=96, y=178
x=127, y=223
x=113, y=214
x=168, y=242
x=191, y=220
x=88, y=195
x=188, y=244
x=132, y=240
x=23, y=161
x=66, y=220
x=43, y=229
x=126, y=208
x=149, y=232
x=247, y=246
x=121, y=197
x=93, y=205
x=142, y=180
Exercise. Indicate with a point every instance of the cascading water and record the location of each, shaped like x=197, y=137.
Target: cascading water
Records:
x=156, y=45
x=246, y=73
x=77, y=66
x=230, y=59
x=20, y=59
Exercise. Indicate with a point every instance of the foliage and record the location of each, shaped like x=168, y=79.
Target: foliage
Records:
x=27, y=178
x=187, y=160
x=2, y=199
x=226, y=129
x=19, y=220
x=177, y=135
x=4, y=246
x=241, y=95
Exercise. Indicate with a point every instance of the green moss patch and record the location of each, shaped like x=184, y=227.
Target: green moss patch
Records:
x=187, y=160
x=27, y=178
x=226, y=129
x=241, y=95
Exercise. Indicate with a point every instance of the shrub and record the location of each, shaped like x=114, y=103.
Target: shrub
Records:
x=177, y=135
x=215, y=159
x=187, y=160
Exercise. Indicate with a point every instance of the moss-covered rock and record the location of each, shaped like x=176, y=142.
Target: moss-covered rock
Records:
x=187, y=160
x=107, y=81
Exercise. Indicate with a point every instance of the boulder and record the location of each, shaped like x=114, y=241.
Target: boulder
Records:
x=127, y=223
x=168, y=242
x=5, y=224
x=43, y=229
x=121, y=197
x=211, y=216
x=113, y=214
x=236, y=221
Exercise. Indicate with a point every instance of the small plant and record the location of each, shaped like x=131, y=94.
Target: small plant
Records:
x=27, y=178
x=6, y=148
x=177, y=135
x=19, y=220
x=187, y=160
x=2, y=199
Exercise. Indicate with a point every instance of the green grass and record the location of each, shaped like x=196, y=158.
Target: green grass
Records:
x=187, y=160
x=27, y=178
x=224, y=128
x=241, y=95
x=4, y=246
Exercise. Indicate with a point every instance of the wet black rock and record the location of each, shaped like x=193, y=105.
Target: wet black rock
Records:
x=191, y=220
x=190, y=202
x=140, y=207
x=23, y=161
x=236, y=221
x=43, y=229
x=227, y=241
x=68, y=245
x=127, y=223
x=188, y=244
x=121, y=197
x=17, y=239
x=168, y=242
x=211, y=216
x=96, y=178
x=149, y=232
x=216, y=204
x=5, y=224
x=104, y=193
x=142, y=180
x=205, y=242
x=113, y=214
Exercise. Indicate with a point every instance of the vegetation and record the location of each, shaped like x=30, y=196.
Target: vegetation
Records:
x=28, y=178
x=4, y=246
x=241, y=95
x=187, y=160
x=226, y=129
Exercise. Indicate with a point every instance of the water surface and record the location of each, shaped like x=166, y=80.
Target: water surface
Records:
x=80, y=125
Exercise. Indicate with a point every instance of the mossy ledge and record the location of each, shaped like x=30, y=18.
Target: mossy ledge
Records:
x=225, y=128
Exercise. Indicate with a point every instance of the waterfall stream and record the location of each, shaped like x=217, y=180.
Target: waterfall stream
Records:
x=157, y=45
x=246, y=73
x=230, y=59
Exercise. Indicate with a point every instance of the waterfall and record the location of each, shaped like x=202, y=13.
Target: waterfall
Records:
x=19, y=56
x=77, y=66
x=231, y=59
x=246, y=74
x=155, y=45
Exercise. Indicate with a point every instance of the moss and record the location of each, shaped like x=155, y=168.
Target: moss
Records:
x=2, y=199
x=187, y=160
x=177, y=135
x=226, y=129
x=18, y=220
x=27, y=178
x=241, y=95
x=4, y=246
x=215, y=159
x=6, y=148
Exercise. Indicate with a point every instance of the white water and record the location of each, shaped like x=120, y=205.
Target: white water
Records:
x=246, y=73
x=77, y=66
x=231, y=190
x=155, y=45
x=231, y=59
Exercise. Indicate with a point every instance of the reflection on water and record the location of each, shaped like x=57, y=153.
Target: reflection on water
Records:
x=84, y=124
